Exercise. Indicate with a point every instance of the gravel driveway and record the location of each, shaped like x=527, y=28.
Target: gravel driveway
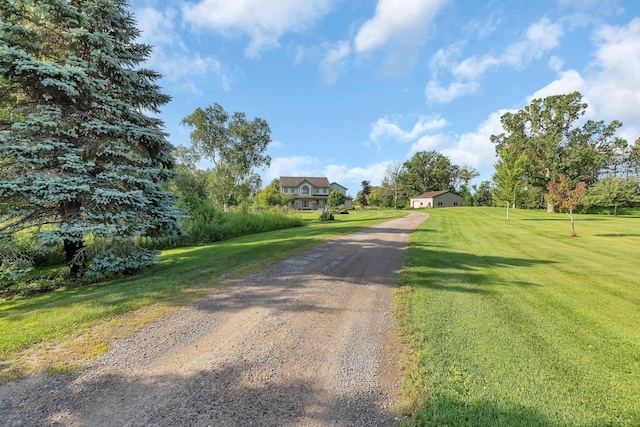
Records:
x=308, y=341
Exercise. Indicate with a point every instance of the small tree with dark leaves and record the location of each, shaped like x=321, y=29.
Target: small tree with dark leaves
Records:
x=566, y=196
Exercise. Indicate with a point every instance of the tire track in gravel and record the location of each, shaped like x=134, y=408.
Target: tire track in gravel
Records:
x=308, y=341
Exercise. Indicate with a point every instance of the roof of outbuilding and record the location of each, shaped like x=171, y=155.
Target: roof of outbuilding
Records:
x=430, y=194
x=294, y=181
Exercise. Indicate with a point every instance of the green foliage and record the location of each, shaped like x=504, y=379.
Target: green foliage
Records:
x=272, y=196
x=509, y=178
x=235, y=146
x=326, y=215
x=612, y=191
x=205, y=223
x=513, y=326
x=336, y=198
x=545, y=135
x=77, y=152
x=428, y=171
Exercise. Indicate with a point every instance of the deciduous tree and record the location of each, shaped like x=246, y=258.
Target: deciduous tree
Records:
x=234, y=145
x=509, y=178
x=364, y=193
x=336, y=198
x=566, y=196
x=80, y=153
x=613, y=191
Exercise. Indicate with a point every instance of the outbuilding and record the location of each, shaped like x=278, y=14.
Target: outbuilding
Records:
x=436, y=199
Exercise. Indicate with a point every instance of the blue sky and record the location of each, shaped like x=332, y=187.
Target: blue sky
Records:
x=349, y=86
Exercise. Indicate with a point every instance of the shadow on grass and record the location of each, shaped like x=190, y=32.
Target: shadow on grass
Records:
x=449, y=411
x=437, y=268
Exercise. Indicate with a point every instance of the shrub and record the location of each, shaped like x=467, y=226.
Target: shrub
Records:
x=325, y=215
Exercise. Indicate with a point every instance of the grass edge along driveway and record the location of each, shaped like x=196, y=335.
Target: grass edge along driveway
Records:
x=63, y=330
x=515, y=323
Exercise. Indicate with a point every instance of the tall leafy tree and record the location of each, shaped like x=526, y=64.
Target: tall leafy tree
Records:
x=427, y=171
x=546, y=132
x=81, y=155
x=234, y=145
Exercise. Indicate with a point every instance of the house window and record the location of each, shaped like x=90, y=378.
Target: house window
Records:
x=439, y=203
x=286, y=189
x=305, y=189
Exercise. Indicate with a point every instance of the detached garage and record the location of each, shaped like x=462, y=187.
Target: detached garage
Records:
x=436, y=199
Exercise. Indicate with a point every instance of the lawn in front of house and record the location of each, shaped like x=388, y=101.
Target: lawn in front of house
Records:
x=515, y=323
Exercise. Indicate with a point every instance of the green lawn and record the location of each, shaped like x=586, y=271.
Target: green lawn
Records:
x=515, y=323
x=62, y=329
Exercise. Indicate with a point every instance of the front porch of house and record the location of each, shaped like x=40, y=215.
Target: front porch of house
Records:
x=308, y=204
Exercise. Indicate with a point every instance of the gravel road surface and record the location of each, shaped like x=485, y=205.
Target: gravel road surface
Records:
x=308, y=341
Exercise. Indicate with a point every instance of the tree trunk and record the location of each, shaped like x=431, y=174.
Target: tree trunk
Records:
x=72, y=256
x=507, y=211
x=551, y=207
x=573, y=227
x=615, y=210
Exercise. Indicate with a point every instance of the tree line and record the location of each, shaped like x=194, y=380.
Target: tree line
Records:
x=542, y=144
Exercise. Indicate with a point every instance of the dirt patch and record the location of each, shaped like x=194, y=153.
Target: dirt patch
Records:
x=308, y=341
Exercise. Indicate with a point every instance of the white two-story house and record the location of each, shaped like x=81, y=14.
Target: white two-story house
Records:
x=311, y=192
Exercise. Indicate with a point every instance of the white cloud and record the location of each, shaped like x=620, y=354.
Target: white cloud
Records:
x=384, y=128
x=334, y=61
x=170, y=57
x=614, y=84
x=293, y=166
x=472, y=148
x=611, y=83
x=398, y=21
x=264, y=21
x=437, y=93
x=428, y=143
x=475, y=148
x=539, y=38
x=353, y=176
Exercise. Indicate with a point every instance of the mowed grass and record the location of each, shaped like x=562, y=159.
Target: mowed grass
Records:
x=515, y=323
x=61, y=330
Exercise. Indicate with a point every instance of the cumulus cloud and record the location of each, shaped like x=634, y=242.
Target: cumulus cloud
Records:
x=263, y=21
x=353, y=176
x=397, y=21
x=614, y=83
x=385, y=128
x=293, y=166
x=438, y=93
x=170, y=57
x=539, y=38
x=611, y=83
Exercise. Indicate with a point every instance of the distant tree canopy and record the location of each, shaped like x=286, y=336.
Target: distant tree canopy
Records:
x=235, y=146
x=80, y=153
x=547, y=135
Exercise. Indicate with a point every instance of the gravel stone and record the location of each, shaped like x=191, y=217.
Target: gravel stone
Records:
x=309, y=341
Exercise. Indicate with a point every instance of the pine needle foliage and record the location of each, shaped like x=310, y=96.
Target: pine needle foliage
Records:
x=81, y=157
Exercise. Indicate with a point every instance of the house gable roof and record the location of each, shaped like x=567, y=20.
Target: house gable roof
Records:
x=294, y=181
x=432, y=194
